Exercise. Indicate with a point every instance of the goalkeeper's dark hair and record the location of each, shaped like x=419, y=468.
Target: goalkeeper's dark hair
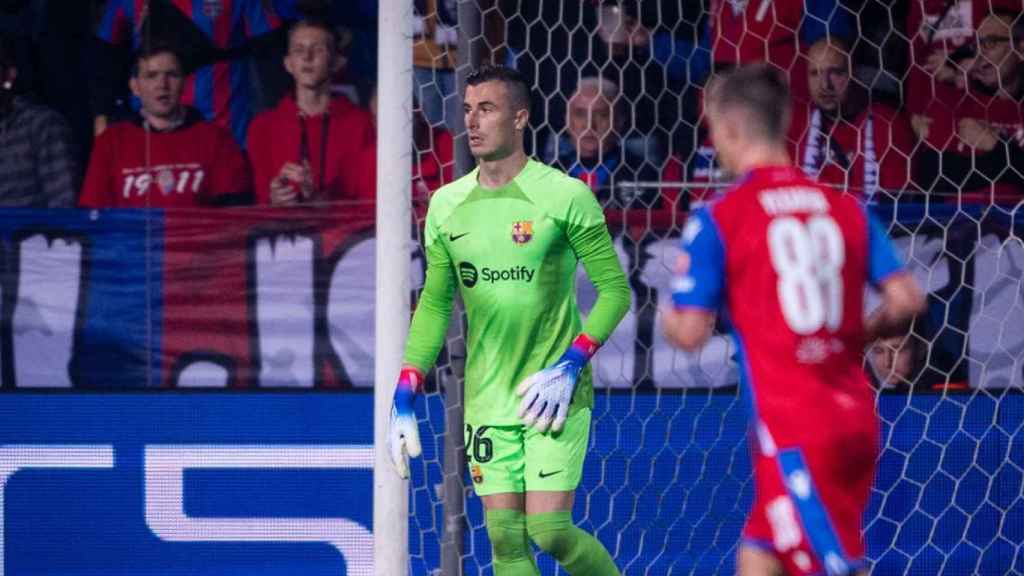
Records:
x=514, y=81
x=761, y=93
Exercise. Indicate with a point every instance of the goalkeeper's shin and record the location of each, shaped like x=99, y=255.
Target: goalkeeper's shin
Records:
x=579, y=553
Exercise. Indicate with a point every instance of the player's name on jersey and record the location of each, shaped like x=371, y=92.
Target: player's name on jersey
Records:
x=793, y=199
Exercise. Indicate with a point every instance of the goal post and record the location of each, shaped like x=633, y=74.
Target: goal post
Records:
x=393, y=264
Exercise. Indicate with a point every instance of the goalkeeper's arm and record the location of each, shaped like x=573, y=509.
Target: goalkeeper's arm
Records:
x=426, y=336
x=548, y=393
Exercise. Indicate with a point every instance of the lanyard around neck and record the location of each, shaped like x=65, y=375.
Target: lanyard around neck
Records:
x=304, y=146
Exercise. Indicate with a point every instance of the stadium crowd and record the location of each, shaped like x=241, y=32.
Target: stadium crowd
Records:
x=179, y=103
x=912, y=99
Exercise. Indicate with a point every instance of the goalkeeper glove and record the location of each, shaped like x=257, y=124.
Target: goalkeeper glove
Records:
x=403, y=434
x=548, y=393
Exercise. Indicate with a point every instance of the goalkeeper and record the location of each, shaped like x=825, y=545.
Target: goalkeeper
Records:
x=510, y=235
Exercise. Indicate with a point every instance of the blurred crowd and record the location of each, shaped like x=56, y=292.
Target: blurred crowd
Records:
x=163, y=103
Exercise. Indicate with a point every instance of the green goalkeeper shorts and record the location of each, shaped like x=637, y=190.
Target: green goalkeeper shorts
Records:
x=520, y=459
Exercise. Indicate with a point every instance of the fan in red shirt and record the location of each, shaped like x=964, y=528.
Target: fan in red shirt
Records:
x=300, y=148
x=941, y=36
x=168, y=157
x=974, y=138
x=843, y=139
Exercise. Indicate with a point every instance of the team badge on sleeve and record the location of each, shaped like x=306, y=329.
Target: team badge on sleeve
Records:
x=522, y=231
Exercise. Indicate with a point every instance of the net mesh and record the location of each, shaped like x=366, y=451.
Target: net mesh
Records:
x=617, y=103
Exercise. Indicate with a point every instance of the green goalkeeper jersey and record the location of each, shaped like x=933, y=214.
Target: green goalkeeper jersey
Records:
x=513, y=253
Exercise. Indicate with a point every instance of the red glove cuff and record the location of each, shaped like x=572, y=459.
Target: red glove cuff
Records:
x=412, y=378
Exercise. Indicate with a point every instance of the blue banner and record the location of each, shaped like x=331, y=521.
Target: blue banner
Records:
x=281, y=483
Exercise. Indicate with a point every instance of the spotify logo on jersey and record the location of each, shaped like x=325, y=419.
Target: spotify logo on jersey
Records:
x=468, y=274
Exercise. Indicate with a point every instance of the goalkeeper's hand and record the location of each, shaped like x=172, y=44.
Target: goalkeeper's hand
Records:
x=403, y=433
x=548, y=393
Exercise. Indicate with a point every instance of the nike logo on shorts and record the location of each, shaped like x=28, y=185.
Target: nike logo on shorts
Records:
x=543, y=475
x=454, y=237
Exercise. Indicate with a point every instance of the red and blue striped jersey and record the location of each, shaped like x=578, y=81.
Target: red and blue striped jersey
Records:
x=789, y=259
x=219, y=91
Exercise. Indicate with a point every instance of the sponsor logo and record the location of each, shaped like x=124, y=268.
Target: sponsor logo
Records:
x=544, y=474
x=468, y=274
x=522, y=231
x=514, y=274
x=454, y=237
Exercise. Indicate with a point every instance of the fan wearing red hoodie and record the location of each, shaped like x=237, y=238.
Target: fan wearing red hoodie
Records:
x=299, y=149
x=168, y=157
x=843, y=139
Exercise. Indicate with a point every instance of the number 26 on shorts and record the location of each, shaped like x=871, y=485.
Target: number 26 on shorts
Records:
x=478, y=448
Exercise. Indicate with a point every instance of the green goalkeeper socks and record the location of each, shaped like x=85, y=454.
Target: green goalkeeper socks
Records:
x=579, y=553
x=509, y=543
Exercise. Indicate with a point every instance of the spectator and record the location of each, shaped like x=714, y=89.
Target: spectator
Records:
x=38, y=163
x=168, y=156
x=841, y=138
x=942, y=46
x=596, y=152
x=772, y=30
x=895, y=361
x=299, y=148
x=435, y=54
x=608, y=39
x=903, y=363
x=211, y=39
x=975, y=140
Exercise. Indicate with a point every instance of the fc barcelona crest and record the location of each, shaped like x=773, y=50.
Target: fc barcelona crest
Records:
x=213, y=8
x=522, y=231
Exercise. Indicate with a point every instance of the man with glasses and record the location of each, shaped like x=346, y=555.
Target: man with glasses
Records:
x=975, y=142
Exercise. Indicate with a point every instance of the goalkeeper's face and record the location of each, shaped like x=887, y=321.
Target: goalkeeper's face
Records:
x=494, y=127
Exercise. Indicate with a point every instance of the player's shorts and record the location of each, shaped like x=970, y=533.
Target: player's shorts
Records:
x=520, y=459
x=809, y=503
